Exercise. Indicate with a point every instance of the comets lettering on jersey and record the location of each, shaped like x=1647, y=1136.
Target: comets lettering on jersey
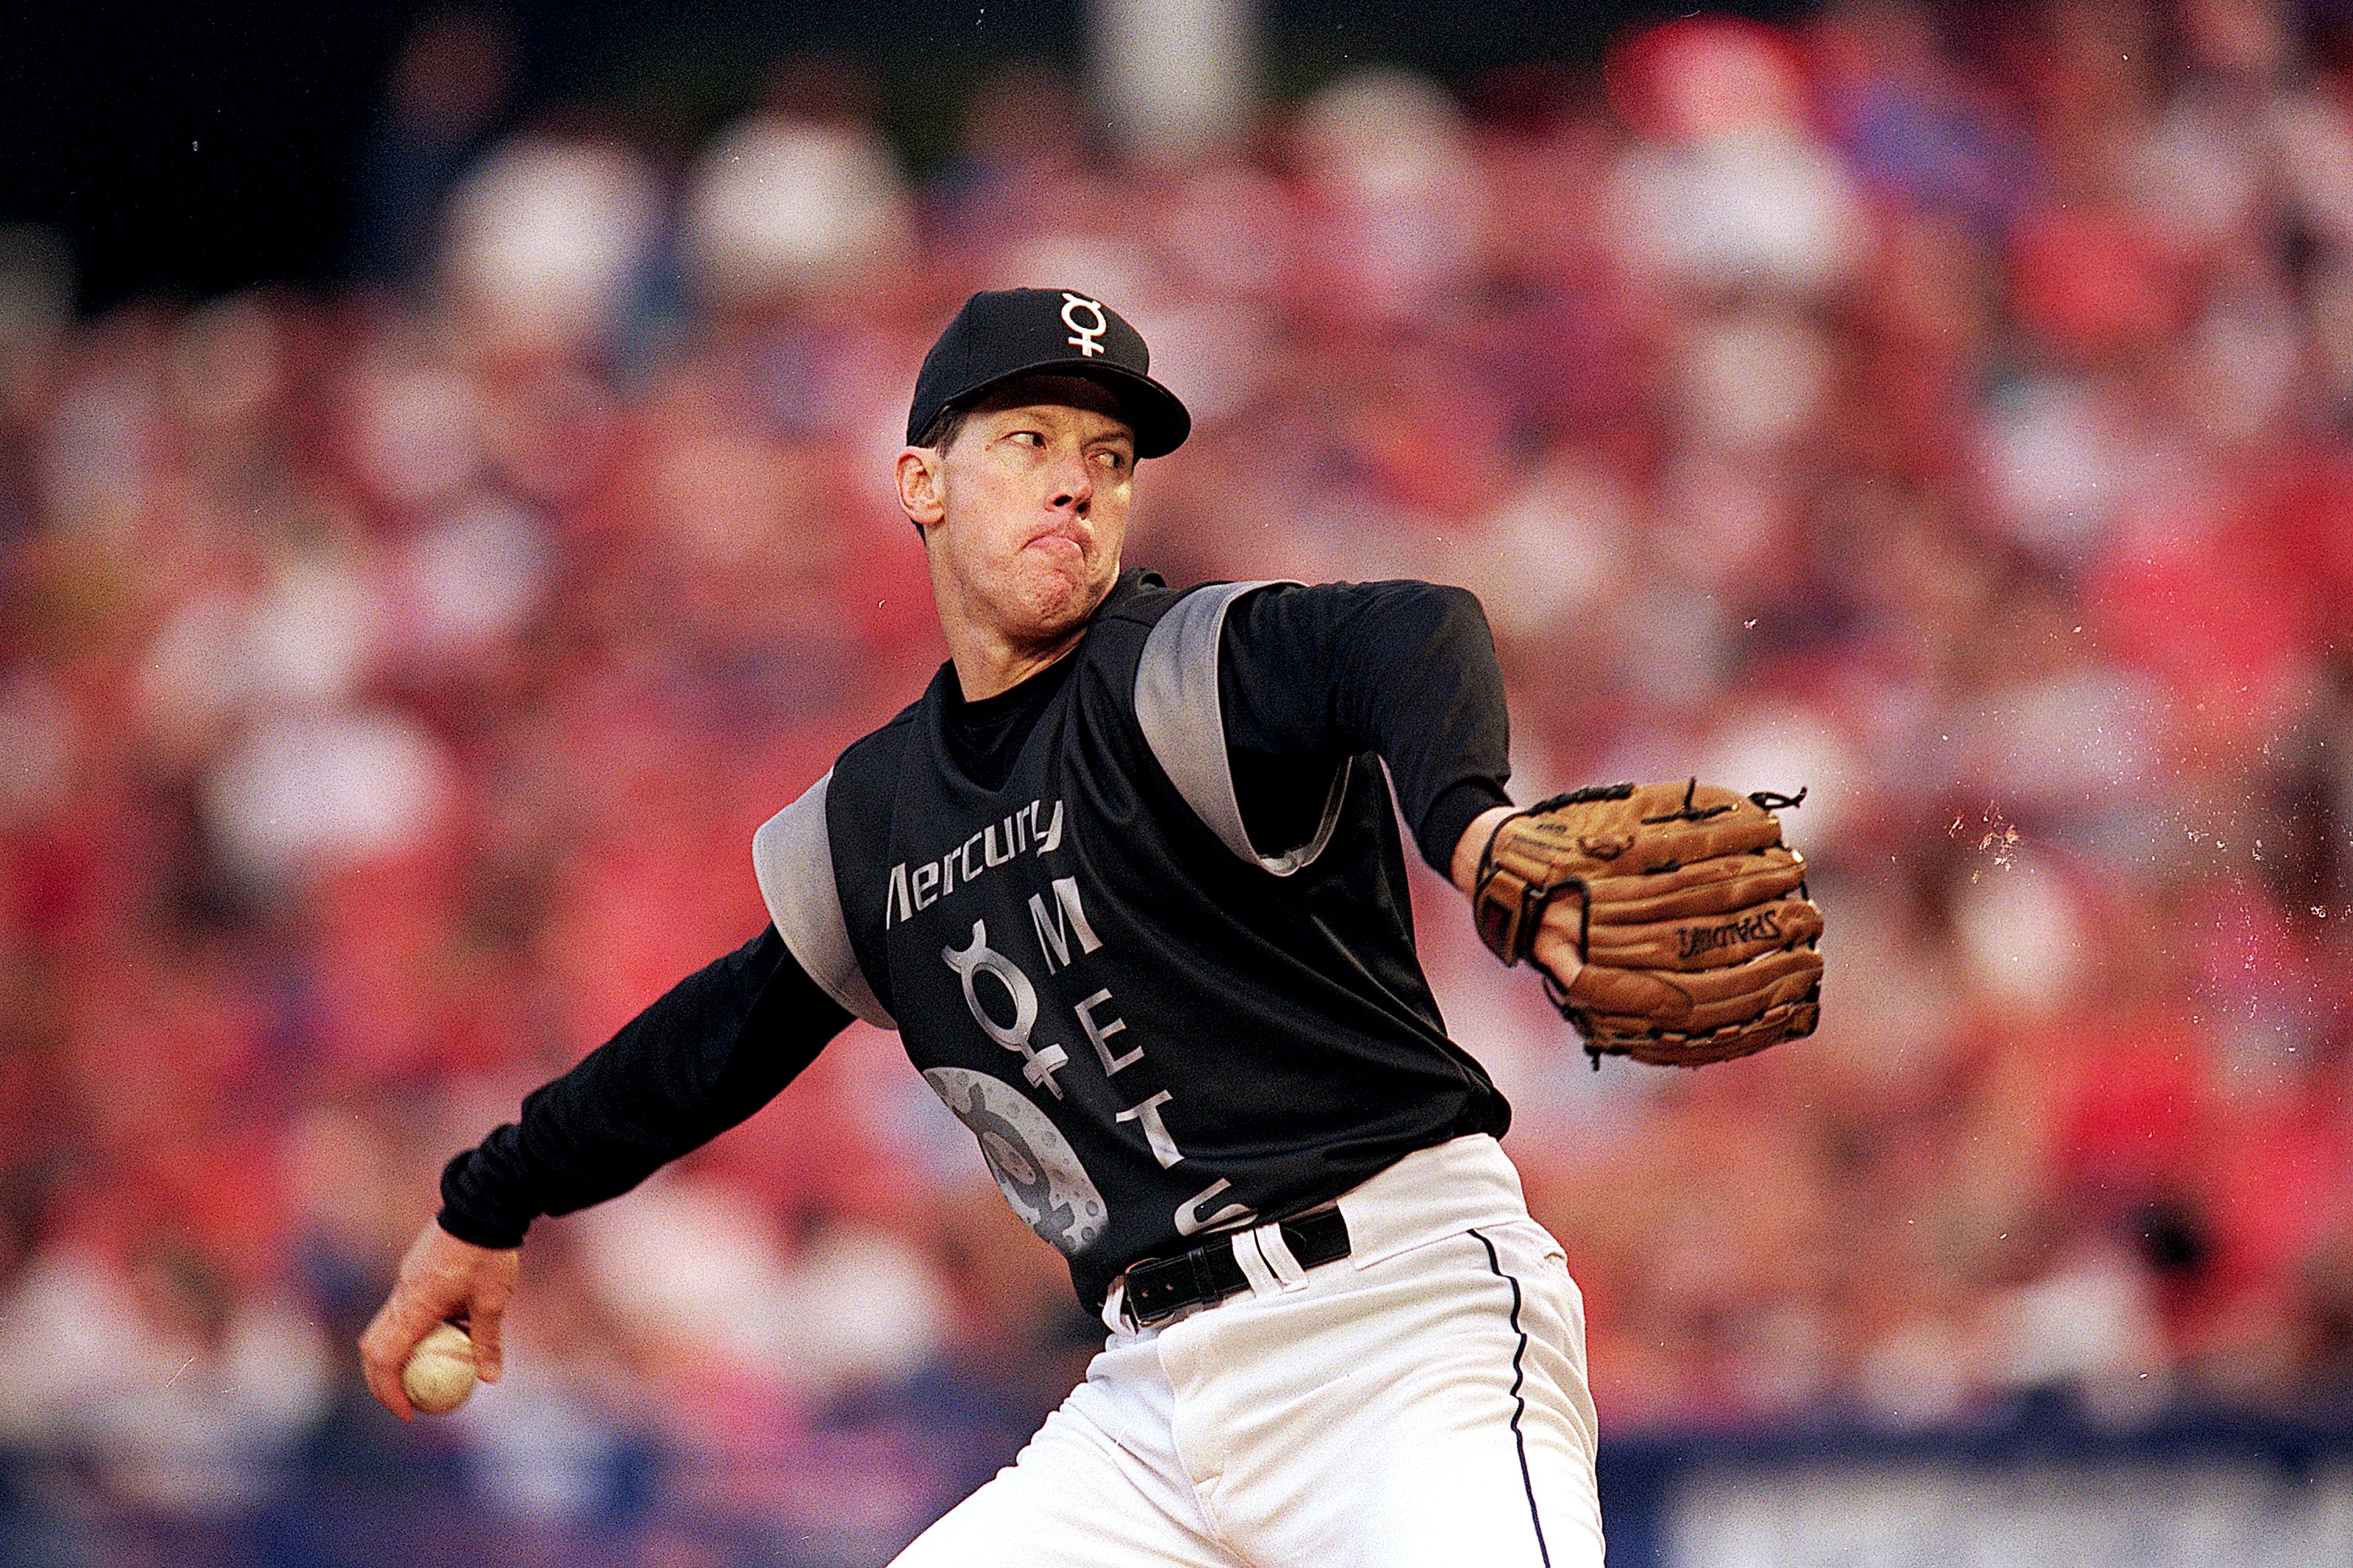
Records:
x=1211, y=1032
x=1023, y=833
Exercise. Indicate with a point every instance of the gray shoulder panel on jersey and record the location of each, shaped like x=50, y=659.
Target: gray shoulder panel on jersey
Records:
x=792, y=856
x=1177, y=705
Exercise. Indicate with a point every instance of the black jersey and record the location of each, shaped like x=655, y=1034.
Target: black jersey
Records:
x=1154, y=1026
x=1142, y=919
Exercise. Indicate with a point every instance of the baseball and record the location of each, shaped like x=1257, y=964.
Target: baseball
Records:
x=441, y=1371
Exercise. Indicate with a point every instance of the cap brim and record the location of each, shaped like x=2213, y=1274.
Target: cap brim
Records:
x=1158, y=417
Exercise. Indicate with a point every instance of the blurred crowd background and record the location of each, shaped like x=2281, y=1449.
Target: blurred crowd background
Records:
x=1944, y=408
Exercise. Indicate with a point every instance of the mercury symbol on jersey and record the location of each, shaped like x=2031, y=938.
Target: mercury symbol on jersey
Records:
x=969, y=963
x=1034, y=1165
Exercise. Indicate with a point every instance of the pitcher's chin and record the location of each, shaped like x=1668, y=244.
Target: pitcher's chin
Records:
x=1062, y=593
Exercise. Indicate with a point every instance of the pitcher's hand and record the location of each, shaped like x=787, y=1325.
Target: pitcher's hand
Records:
x=442, y=1280
x=1557, y=933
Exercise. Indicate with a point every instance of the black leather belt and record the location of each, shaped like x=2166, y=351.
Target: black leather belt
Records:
x=1160, y=1287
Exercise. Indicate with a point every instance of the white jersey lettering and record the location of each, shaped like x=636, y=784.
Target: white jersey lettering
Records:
x=1054, y=935
x=1100, y=1031
x=1190, y=1221
x=1028, y=831
x=1156, y=1130
x=897, y=903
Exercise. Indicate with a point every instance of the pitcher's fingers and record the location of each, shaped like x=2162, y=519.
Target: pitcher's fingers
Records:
x=1557, y=952
x=399, y=1325
x=380, y=1362
x=1631, y=991
x=483, y=1320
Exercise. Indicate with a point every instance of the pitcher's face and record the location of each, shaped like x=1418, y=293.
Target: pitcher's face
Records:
x=1025, y=510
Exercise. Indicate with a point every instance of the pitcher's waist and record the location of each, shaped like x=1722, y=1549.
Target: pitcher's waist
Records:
x=1430, y=1195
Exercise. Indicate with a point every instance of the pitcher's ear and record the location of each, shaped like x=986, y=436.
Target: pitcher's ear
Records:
x=919, y=486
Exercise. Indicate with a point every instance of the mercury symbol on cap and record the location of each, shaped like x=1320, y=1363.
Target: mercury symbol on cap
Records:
x=1084, y=341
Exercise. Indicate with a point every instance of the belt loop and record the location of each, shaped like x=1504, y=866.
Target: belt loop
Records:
x=1276, y=1249
x=1115, y=1309
x=1262, y=1280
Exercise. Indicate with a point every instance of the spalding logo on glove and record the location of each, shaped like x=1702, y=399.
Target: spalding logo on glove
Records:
x=1697, y=939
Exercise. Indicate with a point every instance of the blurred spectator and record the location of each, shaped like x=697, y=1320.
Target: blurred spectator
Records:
x=446, y=92
x=186, y=1394
x=778, y=209
x=548, y=237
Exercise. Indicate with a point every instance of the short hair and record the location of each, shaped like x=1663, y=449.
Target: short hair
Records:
x=945, y=425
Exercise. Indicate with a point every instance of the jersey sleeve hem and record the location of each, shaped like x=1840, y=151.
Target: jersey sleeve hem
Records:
x=792, y=856
x=1177, y=707
x=495, y=1238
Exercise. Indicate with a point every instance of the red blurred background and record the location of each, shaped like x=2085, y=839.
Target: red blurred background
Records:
x=1943, y=409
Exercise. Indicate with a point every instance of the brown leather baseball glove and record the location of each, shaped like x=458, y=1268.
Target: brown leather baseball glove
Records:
x=1698, y=942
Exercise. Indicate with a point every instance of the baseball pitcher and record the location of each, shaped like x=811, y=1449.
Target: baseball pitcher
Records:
x=1127, y=881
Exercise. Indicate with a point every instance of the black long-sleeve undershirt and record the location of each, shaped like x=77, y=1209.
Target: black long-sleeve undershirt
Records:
x=714, y=1049
x=1307, y=677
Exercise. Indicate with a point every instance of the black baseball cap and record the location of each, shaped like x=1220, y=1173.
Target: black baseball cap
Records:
x=1001, y=333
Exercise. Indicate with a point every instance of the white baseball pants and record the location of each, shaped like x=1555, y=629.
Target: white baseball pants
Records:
x=1420, y=1403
